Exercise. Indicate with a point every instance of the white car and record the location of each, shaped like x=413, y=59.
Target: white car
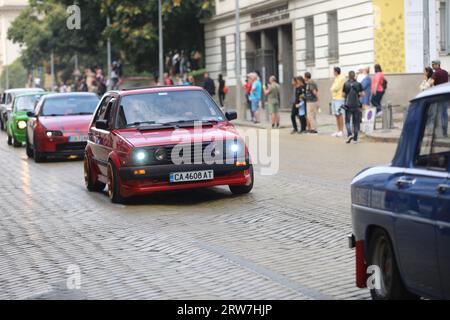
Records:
x=6, y=102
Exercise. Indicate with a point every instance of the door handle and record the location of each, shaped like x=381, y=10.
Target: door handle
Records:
x=443, y=188
x=404, y=182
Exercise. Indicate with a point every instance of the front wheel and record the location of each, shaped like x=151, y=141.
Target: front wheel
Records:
x=38, y=156
x=9, y=140
x=114, y=185
x=92, y=186
x=381, y=254
x=245, y=188
x=16, y=144
x=28, y=148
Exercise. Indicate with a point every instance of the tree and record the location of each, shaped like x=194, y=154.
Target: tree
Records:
x=17, y=75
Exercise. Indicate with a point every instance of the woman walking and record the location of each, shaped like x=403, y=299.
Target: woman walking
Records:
x=272, y=91
x=222, y=92
x=428, y=81
x=378, y=88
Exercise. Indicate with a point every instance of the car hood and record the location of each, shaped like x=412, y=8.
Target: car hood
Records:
x=183, y=135
x=67, y=123
x=20, y=115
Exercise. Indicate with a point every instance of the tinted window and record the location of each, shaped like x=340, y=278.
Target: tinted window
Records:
x=26, y=103
x=165, y=107
x=434, y=151
x=69, y=105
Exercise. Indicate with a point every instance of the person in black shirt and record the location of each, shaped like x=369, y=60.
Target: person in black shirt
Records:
x=209, y=85
x=222, y=92
x=299, y=92
x=352, y=93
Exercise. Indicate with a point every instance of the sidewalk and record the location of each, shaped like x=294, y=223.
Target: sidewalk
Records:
x=327, y=126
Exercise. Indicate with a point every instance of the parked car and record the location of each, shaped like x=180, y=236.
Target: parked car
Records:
x=6, y=101
x=59, y=126
x=164, y=138
x=17, y=120
x=401, y=212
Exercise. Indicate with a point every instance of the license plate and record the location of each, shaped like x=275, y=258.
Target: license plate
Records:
x=78, y=138
x=191, y=176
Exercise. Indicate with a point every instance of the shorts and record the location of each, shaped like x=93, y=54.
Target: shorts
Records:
x=274, y=107
x=255, y=105
x=336, y=107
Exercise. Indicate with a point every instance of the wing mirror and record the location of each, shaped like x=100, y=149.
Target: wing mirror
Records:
x=31, y=114
x=101, y=124
x=231, y=115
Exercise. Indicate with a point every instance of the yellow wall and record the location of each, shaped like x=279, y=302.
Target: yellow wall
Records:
x=390, y=35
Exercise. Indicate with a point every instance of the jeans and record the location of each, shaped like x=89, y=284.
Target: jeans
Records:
x=376, y=100
x=221, y=98
x=294, y=115
x=354, y=115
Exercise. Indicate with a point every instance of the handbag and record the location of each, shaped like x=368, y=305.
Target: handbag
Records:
x=302, y=109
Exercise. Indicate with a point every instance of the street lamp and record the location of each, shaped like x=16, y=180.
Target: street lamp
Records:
x=240, y=111
x=161, y=63
x=108, y=49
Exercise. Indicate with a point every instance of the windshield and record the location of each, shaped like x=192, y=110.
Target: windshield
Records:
x=27, y=103
x=167, y=107
x=66, y=106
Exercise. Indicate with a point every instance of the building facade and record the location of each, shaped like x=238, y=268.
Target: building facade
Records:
x=290, y=37
x=9, y=52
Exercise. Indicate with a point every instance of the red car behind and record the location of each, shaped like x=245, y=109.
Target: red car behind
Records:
x=164, y=138
x=59, y=125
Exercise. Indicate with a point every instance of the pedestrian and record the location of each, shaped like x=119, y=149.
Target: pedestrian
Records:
x=366, y=83
x=312, y=103
x=272, y=91
x=256, y=96
x=114, y=76
x=178, y=81
x=428, y=79
x=352, y=92
x=248, y=88
x=301, y=102
x=167, y=80
x=440, y=75
x=83, y=87
x=378, y=88
x=338, y=101
x=222, y=89
x=209, y=85
x=295, y=111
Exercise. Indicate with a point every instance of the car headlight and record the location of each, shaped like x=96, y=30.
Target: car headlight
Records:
x=140, y=156
x=160, y=154
x=51, y=134
x=234, y=148
x=21, y=124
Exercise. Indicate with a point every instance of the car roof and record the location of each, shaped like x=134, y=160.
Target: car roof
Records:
x=24, y=90
x=31, y=94
x=434, y=91
x=156, y=89
x=70, y=94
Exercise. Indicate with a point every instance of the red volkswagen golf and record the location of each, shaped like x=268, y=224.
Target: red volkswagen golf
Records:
x=59, y=125
x=164, y=138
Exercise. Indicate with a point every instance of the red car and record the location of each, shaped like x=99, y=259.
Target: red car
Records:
x=164, y=138
x=59, y=125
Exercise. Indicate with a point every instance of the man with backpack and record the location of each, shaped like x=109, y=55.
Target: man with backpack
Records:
x=352, y=92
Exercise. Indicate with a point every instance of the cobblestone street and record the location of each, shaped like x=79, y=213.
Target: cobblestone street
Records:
x=285, y=240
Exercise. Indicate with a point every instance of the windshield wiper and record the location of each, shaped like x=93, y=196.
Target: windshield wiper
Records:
x=80, y=114
x=139, y=123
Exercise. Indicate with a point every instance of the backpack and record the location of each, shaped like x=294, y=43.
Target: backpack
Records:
x=385, y=84
x=225, y=89
x=352, y=100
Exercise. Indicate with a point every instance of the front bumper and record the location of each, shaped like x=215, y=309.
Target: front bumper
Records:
x=156, y=178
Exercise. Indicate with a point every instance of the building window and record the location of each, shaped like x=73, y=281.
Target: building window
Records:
x=310, y=42
x=223, y=52
x=333, y=37
x=444, y=15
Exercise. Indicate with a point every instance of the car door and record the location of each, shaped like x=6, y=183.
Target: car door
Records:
x=102, y=139
x=414, y=200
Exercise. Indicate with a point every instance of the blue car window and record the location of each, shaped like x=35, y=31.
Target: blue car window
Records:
x=434, y=150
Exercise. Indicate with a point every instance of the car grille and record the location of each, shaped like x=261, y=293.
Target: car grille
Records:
x=67, y=147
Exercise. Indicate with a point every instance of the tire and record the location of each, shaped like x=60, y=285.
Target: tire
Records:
x=88, y=179
x=10, y=142
x=28, y=148
x=16, y=144
x=113, y=185
x=38, y=156
x=243, y=189
x=381, y=254
x=2, y=126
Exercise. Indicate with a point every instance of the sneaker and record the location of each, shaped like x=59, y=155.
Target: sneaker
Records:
x=340, y=134
x=302, y=132
x=335, y=134
x=355, y=141
x=379, y=114
x=350, y=138
x=294, y=132
x=313, y=132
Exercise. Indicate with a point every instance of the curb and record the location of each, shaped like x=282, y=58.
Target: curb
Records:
x=375, y=138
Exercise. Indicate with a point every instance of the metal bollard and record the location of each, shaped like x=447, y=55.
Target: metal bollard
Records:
x=387, y=120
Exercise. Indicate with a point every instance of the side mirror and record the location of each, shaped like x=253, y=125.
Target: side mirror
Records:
x=30, y=114
x=101, y=124
x=231, y=115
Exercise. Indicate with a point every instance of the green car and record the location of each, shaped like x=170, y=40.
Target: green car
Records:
x=16, y=124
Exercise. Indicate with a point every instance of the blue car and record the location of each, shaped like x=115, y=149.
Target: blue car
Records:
x=401, y=212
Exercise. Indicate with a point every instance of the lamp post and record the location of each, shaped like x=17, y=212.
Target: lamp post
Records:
x=161, y=49
x=108, y=49
x=240, y=110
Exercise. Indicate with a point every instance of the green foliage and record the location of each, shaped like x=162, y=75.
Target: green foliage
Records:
x=17, y=75
x=41, y=29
